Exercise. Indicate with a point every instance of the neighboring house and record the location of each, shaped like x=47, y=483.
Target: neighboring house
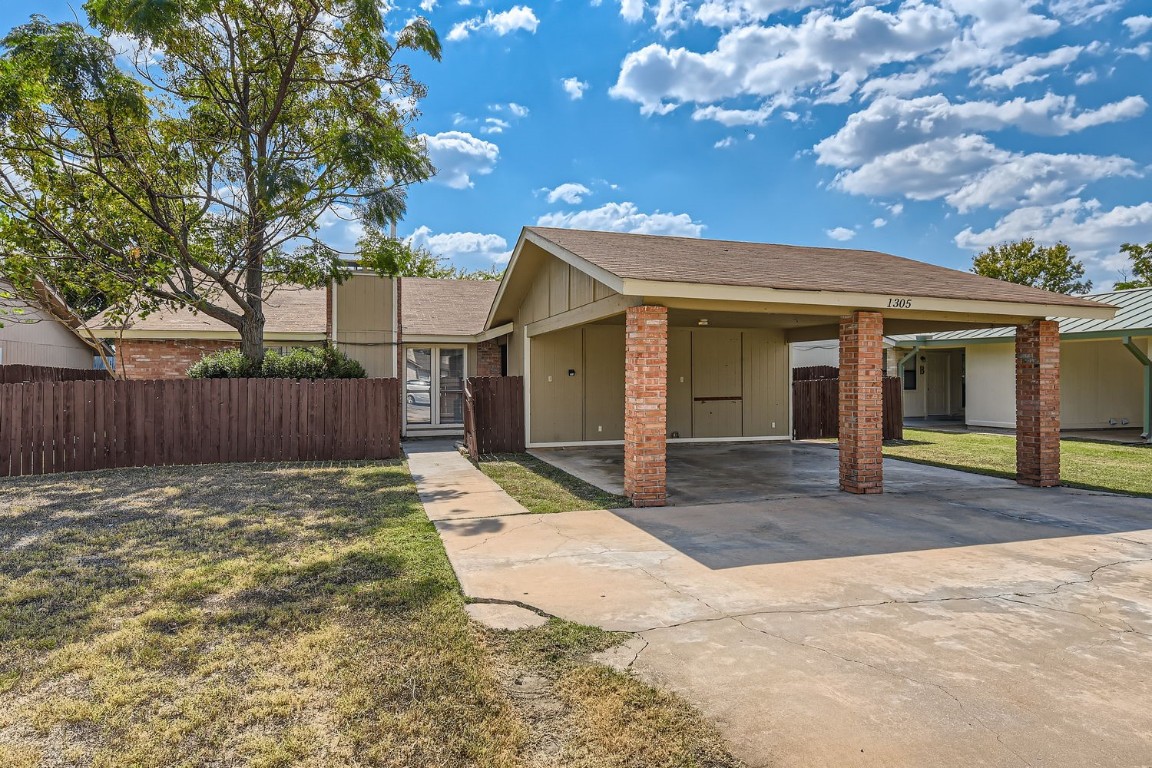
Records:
x=31, y=336
x=436, y=327
x=164, y=344
x=1104, y=373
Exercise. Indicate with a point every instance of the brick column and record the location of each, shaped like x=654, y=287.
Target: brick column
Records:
x=862, y=403
x=646, y=406
x=1038, y=404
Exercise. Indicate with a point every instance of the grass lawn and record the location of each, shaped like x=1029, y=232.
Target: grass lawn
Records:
x=1083, y=464
x=292, y=615
x=543, y=488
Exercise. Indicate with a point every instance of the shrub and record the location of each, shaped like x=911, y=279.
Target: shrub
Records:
x=325, y=362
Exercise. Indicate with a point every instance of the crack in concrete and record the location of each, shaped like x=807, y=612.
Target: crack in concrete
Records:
x=881, y=603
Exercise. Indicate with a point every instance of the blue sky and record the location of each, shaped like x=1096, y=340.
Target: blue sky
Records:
x=925, y=128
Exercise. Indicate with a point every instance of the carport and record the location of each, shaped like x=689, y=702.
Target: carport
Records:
x=642, y=341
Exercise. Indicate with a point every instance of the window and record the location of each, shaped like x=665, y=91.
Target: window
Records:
x=910, y=373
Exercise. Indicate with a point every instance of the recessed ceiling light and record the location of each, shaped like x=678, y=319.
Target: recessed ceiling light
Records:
x=702, y=321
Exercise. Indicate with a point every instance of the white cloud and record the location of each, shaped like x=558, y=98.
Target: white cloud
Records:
x=519, y=17
x=1138, y=25
x=732, y=117
x=427, y=5
x=1085, y=225
x=1034, y=68
x=879, y=222
x=632, y=10
x=494, y=125
x=1080, y=11
x=724, y=143
x=625, y=217
x=517, y=110
x=890, y=123
x=969, y=172
x=569, y=192
x=823, y=54
x=896, y=209
x=453, y=245
x=574, y=87
x=843, y=234
x=458, y=156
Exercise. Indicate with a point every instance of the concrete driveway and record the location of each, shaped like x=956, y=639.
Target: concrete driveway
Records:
x=970, y=622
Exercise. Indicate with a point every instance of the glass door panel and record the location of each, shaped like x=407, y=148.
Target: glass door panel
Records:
x=418, y=385
x=451, y=366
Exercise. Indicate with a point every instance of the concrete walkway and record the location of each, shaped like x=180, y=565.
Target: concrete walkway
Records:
x=976, y=623
x=450, y=486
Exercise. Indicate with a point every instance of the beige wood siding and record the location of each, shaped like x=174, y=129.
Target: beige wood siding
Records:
x=766, y=382
x=716, y=363
x=579, y=288
x=717, y=418
x=1100, y=381
x=991, y=384
x=679, y=382
x=558, y=279
x=557, y=402
x=601, y=291
x=32, y=339
x=365, y=323
x=603, y=378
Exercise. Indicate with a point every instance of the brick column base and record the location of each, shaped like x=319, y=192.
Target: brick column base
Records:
x=1038, y=404
x=862, y=403
x=646, y=406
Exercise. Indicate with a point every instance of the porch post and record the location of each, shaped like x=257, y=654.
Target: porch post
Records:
x=1038, y=403
x=646, y=405
x=862, y=403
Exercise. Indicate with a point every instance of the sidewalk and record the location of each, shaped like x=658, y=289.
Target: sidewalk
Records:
x=451, y=487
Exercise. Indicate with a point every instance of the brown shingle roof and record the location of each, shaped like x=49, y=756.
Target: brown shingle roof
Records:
x=785, y=267
x=445, y=307
x=288, y=310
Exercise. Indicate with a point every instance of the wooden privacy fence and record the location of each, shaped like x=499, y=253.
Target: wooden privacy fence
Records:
x=816, y=408
x=81, y=425
x=494, y=414
x=19, y=374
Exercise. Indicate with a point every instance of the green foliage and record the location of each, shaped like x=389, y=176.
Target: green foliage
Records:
x=325, y=362
x=1141, y=256
x=1052, y=268
x=388, y=256
x=195, y=170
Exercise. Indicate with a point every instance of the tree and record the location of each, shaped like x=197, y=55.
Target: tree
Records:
x=199, y=174
x=1141, y=256
x=1051, y=267
x=389, y=256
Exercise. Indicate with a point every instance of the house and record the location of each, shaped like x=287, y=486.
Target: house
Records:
x=435, y=336
x=641, y=340
x=163, y=344
x=1105, y=377
x=32, y=336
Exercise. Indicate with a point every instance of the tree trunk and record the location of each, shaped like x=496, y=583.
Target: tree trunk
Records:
x=252, y=338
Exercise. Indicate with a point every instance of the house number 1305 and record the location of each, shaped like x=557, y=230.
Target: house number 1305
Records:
x=900, y=303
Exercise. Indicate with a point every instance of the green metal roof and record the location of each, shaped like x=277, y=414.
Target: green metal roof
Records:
x=1133, y=318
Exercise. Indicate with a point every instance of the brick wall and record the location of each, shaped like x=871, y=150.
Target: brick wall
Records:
x=862, y=403
x=164, y=359
x=488, y=358
x=1038, y=404
x=646, y=406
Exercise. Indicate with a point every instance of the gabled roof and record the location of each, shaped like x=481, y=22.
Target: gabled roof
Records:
x=663, y=259
x=290, y=313
x=1133, y=318
x=445, y=307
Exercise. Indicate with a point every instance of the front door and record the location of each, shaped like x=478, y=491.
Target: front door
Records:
x=434, y=387
x=939, y=384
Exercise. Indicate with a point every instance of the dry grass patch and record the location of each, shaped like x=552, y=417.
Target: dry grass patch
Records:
x=293, y=615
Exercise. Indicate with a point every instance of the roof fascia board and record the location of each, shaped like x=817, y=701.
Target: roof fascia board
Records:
x=599, y=273
x=160, y=335
x=846, y=300
x=597, y=310
x=498, y=331
x=1008, y=338
x=504, y=279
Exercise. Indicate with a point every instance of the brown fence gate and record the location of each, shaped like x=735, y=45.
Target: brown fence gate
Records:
x=494, y=414
x=80, y=425
x=816, y=404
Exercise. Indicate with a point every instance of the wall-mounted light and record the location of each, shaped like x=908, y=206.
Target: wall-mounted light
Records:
x=571, y=371
x=702, y=321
